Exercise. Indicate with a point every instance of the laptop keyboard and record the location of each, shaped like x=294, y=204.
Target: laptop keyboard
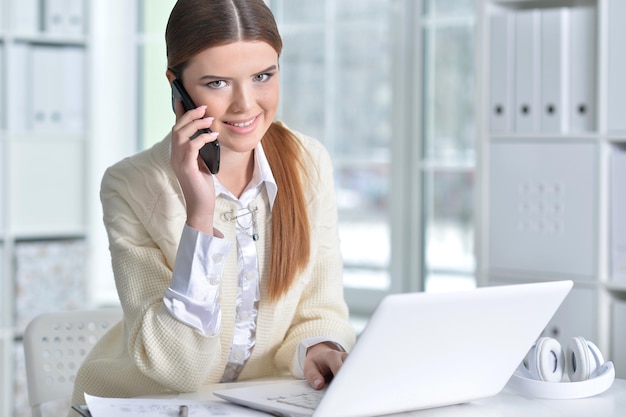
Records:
x=309, y=399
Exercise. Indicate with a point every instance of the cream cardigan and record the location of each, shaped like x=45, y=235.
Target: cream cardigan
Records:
x=150, y=352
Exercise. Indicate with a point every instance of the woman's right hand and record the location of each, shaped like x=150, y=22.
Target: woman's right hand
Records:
x=195, y=180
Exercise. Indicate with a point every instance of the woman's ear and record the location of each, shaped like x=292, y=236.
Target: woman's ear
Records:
x=170, y=75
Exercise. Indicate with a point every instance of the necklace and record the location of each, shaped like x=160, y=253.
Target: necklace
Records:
x=245, y=221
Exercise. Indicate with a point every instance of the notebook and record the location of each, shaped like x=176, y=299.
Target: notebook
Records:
x=423, y=350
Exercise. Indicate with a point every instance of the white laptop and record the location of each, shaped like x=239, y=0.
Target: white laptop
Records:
x=423, y=350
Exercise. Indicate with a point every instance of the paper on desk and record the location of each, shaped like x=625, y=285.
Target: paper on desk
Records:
x=163, y=407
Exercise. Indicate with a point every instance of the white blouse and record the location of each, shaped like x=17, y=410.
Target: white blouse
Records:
x=193, y=295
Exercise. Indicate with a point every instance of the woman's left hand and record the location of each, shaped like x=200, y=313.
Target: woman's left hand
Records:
x=322, y=362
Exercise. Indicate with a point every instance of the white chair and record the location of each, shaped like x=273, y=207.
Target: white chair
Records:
x=55, y=345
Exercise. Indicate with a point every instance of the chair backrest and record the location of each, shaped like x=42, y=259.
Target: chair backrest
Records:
x=55, y=345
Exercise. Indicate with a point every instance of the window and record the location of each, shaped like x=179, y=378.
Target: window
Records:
x=387, y=86
x=448, y=140
x=155, y=116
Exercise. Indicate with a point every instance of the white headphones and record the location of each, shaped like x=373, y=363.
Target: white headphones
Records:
x=541, y=372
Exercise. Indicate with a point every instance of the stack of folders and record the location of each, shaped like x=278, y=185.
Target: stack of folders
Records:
x=542, y=70
x=49, y=16
x=47, y=91
x=64, y=16
x=618, y=215
x=52, y=88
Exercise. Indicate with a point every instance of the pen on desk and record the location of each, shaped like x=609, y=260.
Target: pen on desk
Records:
x=182, y=411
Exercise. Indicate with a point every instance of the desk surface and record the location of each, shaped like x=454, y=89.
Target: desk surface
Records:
x=506, y=404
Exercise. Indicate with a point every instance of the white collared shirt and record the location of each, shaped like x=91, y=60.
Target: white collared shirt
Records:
x=193, y=295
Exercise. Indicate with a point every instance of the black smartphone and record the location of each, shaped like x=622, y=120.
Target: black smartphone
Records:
x=210, y=153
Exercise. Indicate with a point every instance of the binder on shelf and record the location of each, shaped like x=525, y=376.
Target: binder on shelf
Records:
x=501, y=45
x=26, y=16
x=63, y=16
x=54, y=16
x=527, y=60
x=618, y=214
x=75, y=16
x=616, y=94
x=20, y=88
x=47, y=90
x=582, y=107
x=554, y=70
x=58, y=89
x=73, y=81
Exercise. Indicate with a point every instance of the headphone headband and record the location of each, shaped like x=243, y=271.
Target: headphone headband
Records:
x=564, y=390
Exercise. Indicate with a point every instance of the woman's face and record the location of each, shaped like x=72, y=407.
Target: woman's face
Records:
x=239, y=84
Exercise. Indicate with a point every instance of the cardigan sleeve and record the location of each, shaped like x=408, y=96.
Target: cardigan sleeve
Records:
x=164, y=349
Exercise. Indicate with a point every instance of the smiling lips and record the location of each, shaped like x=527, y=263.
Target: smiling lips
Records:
x=244, y=124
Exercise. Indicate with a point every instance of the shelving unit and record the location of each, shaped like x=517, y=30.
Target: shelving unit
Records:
x=53, y=246
x=44, y=144
x=552, y=102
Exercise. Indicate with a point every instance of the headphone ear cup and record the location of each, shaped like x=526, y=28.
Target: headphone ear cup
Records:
x=546, y=360
x=583, y=359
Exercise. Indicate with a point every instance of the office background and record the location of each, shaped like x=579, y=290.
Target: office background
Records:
x=411, y=98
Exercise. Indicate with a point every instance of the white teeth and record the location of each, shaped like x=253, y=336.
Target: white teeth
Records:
x=242, y=124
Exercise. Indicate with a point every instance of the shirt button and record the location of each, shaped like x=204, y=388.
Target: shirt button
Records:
x=239, y=355
x=244, y=315
x=218, y=257
x=250, y=275
x=213, y=279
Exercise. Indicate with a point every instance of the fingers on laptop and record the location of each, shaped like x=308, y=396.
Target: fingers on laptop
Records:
x=322, y=365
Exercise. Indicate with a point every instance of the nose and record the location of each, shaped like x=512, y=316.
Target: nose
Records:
x=242, y=99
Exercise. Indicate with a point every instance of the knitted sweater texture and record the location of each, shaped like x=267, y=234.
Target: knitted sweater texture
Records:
x=150, y=352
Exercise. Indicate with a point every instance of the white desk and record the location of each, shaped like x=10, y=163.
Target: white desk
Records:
x=611, y=403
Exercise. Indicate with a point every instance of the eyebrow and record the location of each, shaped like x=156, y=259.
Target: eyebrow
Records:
x=217, y=77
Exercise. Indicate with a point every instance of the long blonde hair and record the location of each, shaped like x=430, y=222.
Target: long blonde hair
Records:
x=195, y=25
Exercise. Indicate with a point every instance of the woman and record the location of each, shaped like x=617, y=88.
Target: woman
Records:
x=230, y=276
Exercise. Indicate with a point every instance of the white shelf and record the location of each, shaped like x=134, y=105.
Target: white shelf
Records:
x=536, y=3
x=50, y=179
x=45, y=153
x=543, y=137
x=35, y=138
x=593, y=28
x=617, y=289
x=50, y=39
